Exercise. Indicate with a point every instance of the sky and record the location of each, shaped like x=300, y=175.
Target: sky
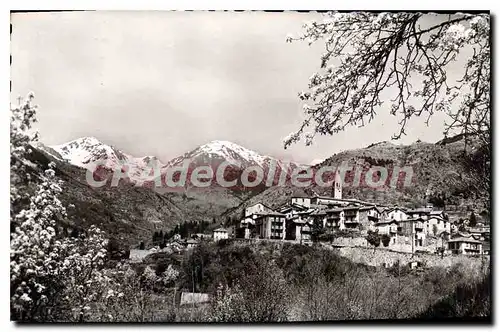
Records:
x=163, y=83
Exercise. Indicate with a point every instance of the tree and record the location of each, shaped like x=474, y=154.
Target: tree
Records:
x=157, y=237
x=386, y=239
x=113, y=249
x=142, y=246
x=183, y=230
x=434, y=229
x=377, y=51
x=472, y=220
x=316, y=230
x=52, y=277
x=75, y=232
x=260, y=296
x=126, y=254
x=407, y=58
x=373, y=238
x=440, y=251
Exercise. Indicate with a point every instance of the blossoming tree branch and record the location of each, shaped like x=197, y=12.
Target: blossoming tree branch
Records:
x=375, y=52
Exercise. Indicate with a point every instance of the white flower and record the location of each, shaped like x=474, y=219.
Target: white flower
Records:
x=479, y=22
x=455, y=31
x=25, y=298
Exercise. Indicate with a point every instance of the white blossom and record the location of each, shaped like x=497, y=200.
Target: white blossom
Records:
x=354, y=69
x=41, y=259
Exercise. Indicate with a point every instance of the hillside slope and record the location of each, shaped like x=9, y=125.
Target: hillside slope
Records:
x=444, y=174
x=127, y=213
x=441, y=172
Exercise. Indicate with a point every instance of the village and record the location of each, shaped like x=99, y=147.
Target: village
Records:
x=423, y=229
x=346, y=222
x=334, y=221
x=250, y=166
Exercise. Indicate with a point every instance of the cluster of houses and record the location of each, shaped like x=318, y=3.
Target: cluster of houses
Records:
x=412, y=227
x=419, y=229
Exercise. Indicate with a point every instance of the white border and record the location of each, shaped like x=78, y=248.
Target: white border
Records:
x=196, y=5
x=249, y=5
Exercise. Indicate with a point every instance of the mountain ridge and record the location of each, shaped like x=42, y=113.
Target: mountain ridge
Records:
x=87, y=152
x=444, y=173
x=439, y=168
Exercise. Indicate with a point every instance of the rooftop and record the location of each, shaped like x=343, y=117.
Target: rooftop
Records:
x=420, y=210
x=479, y=230
x=349, y=200
x=334, y=210
x=318, y=213
x=464, y=239
x=412, y=220
x=303, y=195
x=260, y=203
x=368, y=207
x=389, y=209
x=306, y=212
x=269, y=213
x=386, y=222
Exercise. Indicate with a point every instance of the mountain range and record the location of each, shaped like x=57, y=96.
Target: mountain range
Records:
x=85, y=152
x=131, y=212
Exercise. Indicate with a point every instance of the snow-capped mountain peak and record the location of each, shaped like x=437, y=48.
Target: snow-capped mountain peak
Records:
x=85, y=150
x=232, y=152
x=217, y=151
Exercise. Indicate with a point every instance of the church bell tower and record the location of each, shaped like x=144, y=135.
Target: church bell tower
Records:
x=337, y=186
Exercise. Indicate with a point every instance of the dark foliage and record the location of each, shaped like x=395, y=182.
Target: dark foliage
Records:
x=472, y=220
x=467, y=300
x=209, y=265
x=373, y=238
x=386, y=239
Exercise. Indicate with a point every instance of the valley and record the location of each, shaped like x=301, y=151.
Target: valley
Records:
x=132, y=210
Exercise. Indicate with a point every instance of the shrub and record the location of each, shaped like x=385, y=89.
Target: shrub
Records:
x=258, y=297
x=386, y=239
x=53, y=277
x=468, y=300
x=373, y=238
